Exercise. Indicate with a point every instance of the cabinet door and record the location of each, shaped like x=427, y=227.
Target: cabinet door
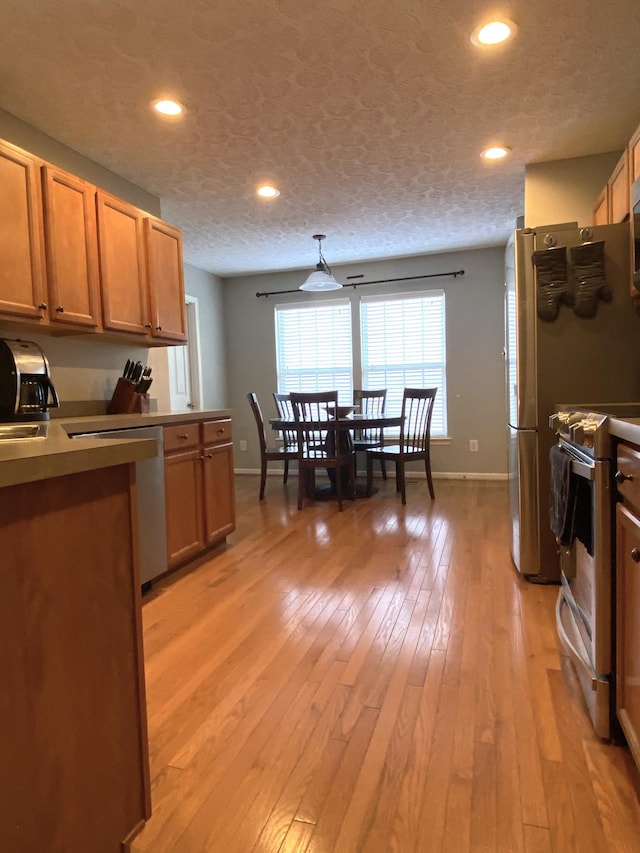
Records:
x=601, y=208
x=219, y=497
x=634, y=156
x=71, y=247
x=166, y=280
x=628, y=628
x=183, y=488
x=123, y=273
x=619, y=198
x=22, y=272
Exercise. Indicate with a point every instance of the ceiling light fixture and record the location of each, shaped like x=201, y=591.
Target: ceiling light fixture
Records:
x=321, y=278
x=495, y=32
x=167, y=107
x=267, y=191
x=495, y=152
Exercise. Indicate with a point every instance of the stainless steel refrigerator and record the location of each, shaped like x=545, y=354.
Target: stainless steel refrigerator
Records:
x=568, y=340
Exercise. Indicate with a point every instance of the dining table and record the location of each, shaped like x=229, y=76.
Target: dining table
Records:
x=342, y=428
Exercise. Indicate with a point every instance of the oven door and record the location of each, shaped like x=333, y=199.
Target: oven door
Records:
x=583, y=612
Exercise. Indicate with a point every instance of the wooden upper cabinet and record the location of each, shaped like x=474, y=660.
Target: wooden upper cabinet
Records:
x=634, y=156
x=123, y=271
x=166, y=280
x=601, y=208
x=619, y=190
x=71, y=248
x=22, y=272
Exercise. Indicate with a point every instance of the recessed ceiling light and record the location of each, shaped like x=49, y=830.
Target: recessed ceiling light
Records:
x=167, y=107
x=493, y=33
x=267, y=191
x=495, y=152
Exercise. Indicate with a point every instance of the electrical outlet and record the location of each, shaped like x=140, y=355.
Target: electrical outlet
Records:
x=473, y=445
x=243, y=445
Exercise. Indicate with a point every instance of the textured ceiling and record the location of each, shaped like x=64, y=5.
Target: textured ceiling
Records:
x=368, y=115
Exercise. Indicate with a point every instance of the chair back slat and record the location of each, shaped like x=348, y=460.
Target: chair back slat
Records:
x=371, y=403
x=285, y=411
x=417, y=411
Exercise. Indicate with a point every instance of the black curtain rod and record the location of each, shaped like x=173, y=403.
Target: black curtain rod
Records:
x=363, y=283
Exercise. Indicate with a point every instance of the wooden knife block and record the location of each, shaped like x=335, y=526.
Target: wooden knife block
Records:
x=126, y=400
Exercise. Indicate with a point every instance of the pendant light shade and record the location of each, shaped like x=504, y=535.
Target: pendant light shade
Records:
x=321, y=279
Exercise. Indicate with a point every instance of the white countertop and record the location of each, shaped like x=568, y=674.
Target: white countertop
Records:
x=33, y=459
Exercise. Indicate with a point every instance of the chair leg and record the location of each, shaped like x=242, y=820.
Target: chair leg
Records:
x=338, y=471
x=286, y=471
x=427, y=468
x=383, y=468
x=263, y=477
x=369, y=475
x=401, y=479
x=302, y=475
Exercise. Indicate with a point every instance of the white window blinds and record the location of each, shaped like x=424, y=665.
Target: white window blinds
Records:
x=313, y=348
x=403, y=346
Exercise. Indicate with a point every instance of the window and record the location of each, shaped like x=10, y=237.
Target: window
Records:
x=403, y=346
x=313, y=348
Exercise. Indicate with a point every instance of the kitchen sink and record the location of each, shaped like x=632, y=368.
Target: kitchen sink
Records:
x=14, y=432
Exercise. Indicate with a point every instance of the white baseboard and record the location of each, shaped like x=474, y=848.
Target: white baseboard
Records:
x=411, y=475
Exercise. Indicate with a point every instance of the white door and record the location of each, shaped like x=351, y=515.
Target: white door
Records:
x=184, y=365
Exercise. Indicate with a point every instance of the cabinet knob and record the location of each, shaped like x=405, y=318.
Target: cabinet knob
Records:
x=43, y=306
x=619, y=477
x=60, y=309
x=158, y=328
x=200, y=458
x=147, y=325
x=635, y=555
x=209, y=455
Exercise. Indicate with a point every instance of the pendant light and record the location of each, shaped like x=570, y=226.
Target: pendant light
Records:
x=321, y=278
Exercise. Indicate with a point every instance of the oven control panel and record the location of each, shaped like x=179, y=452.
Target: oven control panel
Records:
x=581, y=428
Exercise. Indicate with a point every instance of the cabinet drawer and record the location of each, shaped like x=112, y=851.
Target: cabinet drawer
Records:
x=628, y=466
x=214, y=432
x=180, y=436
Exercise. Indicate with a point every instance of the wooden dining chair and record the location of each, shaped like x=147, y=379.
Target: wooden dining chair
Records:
x=320, y=443
x=414, y=442
x=370, y=403
x=269, y=454
x=285, y=411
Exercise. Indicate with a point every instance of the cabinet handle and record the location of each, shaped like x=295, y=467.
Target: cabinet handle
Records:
x=635, y=555
x=147, y=325
x=209, y=455
x=200, y=458
x=60, y=309
x=43, y=306
x=619, y=477
x=183, y=436
x=158, y=328
x=220, y=429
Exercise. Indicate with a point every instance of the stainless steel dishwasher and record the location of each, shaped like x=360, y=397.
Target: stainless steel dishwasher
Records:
x=152, y=524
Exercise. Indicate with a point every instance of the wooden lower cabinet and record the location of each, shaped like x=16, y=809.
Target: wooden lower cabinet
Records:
x=183, y=490
x=628, y=627
x=73, y=734
x=219, y=498
x=199, y=487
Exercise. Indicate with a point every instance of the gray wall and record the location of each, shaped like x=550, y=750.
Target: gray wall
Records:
x=475, y=337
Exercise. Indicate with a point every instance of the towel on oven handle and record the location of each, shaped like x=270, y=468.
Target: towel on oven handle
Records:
x=570, y=508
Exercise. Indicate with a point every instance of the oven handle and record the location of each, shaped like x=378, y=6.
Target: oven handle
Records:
x=566, y=641
x=581, y=469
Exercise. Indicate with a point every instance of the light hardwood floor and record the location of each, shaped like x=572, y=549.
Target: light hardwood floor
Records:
x=373, y=680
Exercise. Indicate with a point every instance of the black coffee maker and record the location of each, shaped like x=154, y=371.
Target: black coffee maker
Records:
x=26, y=390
